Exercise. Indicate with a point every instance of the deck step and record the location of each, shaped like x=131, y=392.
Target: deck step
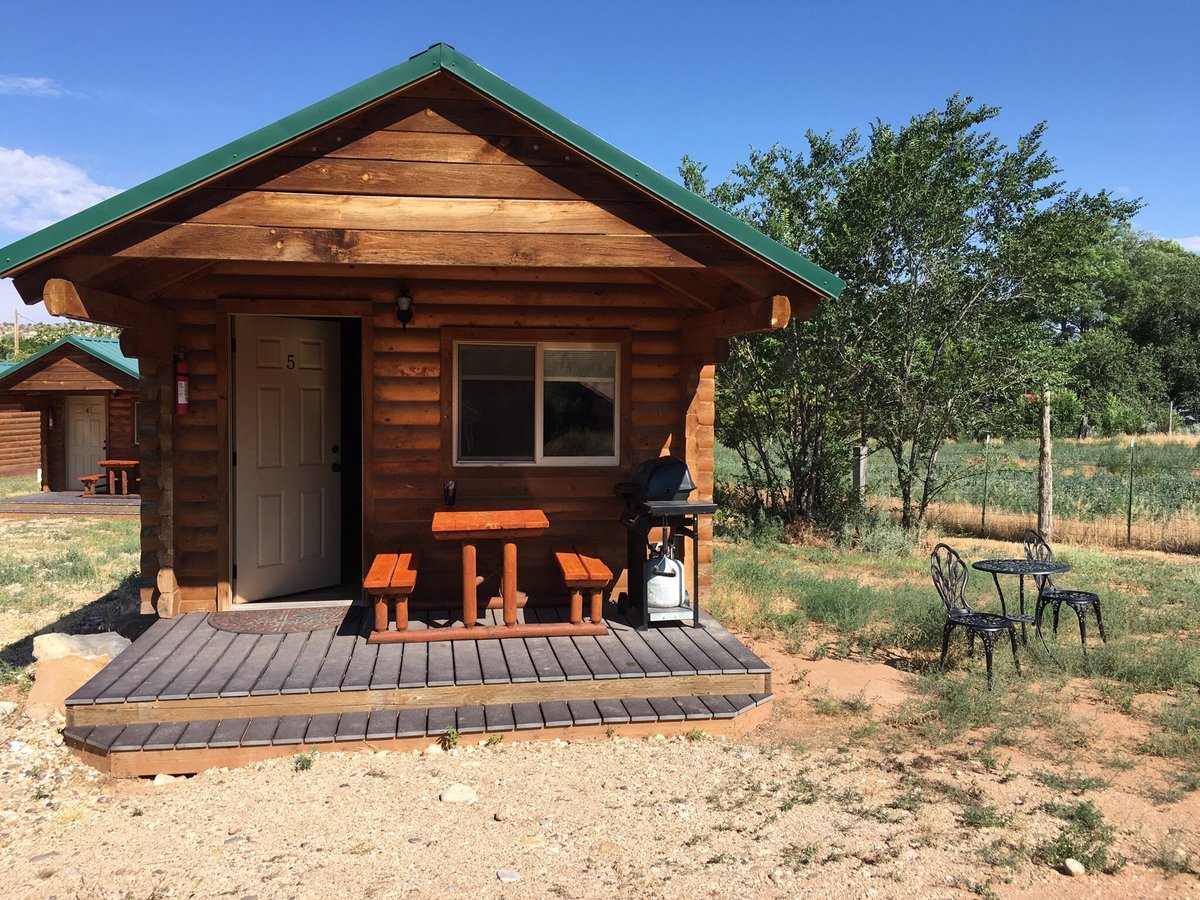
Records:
x=433, y=723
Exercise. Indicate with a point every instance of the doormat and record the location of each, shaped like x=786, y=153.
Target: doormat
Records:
x=278, y=621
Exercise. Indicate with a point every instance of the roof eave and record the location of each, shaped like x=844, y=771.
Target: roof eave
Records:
x=29, y=251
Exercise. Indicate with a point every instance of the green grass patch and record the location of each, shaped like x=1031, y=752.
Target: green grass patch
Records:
x=1086, y=837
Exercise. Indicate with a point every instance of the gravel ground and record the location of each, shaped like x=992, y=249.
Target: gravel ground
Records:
x=650, y=818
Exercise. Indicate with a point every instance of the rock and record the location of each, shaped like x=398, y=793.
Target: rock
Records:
x=1074, y=868
x=434, y=750
x=459, y=793
x=162, y=778
x=545, y=821
x=42, y=857
x=56, y=680
x=609, y=847
x=535, y=840
x=47, y=647
x=7, y=708
x=508, y=875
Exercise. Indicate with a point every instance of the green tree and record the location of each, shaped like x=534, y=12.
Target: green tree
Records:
x=960, y=256
x=43, y=335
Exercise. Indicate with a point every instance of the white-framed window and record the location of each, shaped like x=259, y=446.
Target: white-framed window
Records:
x=537, y=403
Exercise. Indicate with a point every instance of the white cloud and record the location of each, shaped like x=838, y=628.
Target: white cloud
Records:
x=1189, y=243
x=36, y=191
x=18, y=85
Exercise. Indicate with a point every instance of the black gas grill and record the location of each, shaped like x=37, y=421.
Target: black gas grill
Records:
x=657, y=497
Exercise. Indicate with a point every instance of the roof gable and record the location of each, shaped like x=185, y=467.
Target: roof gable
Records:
x=106, y=350
x=440, y=57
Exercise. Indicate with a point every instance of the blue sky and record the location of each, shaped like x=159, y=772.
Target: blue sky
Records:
x=98, y=97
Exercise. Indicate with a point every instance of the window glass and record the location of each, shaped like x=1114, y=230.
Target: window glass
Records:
x=496, y=399
x=510, y=394
x=578, y=403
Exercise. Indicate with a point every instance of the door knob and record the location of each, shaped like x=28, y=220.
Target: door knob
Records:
x=335, y=448
x=337, y=467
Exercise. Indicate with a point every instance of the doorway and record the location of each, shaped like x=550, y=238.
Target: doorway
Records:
x=295, y=475
x=87, y=422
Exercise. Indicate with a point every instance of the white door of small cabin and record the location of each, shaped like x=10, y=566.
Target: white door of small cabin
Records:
x=85, y=437
x=287, y=428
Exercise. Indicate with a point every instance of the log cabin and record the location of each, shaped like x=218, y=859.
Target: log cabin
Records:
x=67, y=407
x=428, y=284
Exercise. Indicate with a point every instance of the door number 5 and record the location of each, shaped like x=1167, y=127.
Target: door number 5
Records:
x=291, y=363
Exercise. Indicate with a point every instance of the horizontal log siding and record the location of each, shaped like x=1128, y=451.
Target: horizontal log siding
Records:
x=410, y=444
x=430, y=189
x=20, y=440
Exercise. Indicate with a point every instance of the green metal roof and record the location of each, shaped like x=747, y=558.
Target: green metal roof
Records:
x=439, y=57
x=107, y=350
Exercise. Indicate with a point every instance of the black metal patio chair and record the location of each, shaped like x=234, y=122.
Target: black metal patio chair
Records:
x=950, y=574
x=1049, y=593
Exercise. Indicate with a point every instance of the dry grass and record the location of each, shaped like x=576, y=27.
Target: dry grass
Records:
x=1179, y=534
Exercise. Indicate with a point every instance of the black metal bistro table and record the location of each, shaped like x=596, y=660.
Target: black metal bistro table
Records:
x=1021, y=568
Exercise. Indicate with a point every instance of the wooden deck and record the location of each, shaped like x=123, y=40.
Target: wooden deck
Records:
x=70, y=503
x=186, y=696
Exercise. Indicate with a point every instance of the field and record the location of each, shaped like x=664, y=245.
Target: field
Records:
x=875, y=773
x=1091, y=490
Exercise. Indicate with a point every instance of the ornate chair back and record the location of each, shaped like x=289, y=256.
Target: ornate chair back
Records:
x=1036, y=548
x=949, y=574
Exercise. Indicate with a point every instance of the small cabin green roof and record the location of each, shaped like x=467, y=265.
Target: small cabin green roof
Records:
x=439, y=57
x=107, y=350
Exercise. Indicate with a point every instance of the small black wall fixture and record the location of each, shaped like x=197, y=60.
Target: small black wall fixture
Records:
x=404, y=308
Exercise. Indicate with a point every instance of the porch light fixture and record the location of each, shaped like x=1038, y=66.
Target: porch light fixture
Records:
x=404, y=308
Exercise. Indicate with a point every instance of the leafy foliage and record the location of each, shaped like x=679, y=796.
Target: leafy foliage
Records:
x=962, y=257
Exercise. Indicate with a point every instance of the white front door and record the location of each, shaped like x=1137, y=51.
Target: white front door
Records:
x=85, y=437
x=287, y=428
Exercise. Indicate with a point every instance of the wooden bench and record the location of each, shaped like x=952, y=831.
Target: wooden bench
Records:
x=583, y=570
x=89, y=484
x=391, y=580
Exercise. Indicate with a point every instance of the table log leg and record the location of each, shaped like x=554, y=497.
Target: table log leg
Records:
x=402, y=613
x=470, y=605
x=381, y=613
x=576, y=607
x=509, y=584
x=597, y=605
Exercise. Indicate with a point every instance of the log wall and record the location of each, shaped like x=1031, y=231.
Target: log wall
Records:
x=20, y=440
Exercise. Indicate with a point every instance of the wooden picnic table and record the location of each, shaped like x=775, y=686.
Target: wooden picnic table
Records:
x=470, y=527
x=119, y=471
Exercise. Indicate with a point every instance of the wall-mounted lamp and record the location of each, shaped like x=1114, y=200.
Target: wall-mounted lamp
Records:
x=404, y=308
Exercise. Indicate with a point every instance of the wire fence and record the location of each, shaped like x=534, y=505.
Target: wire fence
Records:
x=1142, y=492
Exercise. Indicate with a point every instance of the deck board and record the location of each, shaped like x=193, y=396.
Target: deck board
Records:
x=119, y=690
x=188, y=679
x=248, y=673
x=387, y=667
x=180, y=658
x=304, y=672
x=499, y=717
x=696, y=659
x=520, y=664
x=467, y=669
x=260, y=731
x=222, y=669
x=122, y=664
x=413, y=665
x=337, y=658
x=492, y=665
x=280, y=667
x=381, y=724
x=362, y=659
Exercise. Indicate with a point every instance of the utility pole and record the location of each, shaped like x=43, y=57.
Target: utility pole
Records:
x=16, y=334
x=1170, y=416
x=1045, y=514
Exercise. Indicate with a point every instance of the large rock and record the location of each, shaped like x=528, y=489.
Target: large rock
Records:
x=88, y=646
x=56, y=680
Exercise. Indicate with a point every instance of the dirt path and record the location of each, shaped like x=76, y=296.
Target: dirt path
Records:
x=806, y=806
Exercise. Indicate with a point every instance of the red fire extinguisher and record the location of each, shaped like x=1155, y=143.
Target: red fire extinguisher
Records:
x=181, y=384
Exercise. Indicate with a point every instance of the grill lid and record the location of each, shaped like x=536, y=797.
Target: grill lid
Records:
x=663, y=478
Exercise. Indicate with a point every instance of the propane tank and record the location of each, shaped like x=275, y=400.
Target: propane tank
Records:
x=664, y=579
